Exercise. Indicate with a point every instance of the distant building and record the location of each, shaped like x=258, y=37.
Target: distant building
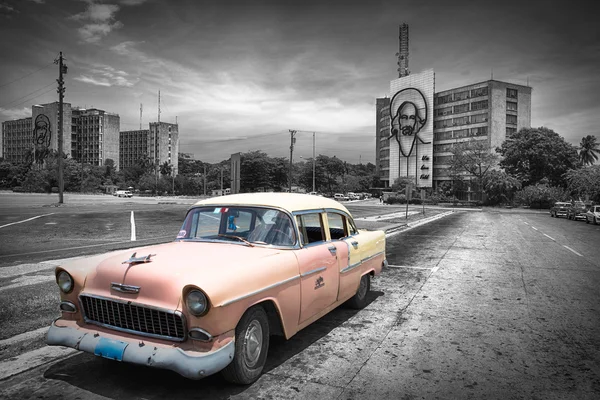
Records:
x=91, y=136
x=159, y=143
x=490, y=111
x=17, y=140
x=95, y=136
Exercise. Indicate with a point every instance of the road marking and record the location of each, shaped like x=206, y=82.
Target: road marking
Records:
x=568, y=248
x=407, y=266
x=525, y=223
x=25, y=220
x=435, y=269
x=551, y=238
x=534, y=228
x=33, y=359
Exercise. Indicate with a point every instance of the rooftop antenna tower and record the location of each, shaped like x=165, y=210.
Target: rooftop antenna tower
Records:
x=140, y=116
x=402, y=53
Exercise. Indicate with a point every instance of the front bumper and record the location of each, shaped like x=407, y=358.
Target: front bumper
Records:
x=193, y=365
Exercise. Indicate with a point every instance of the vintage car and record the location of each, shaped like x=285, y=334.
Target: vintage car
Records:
x=559, y=209
x=577, y=211
x=593, y=215
x=243, y=267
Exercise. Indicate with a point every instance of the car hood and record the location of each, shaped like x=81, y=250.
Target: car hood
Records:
x=172, y=267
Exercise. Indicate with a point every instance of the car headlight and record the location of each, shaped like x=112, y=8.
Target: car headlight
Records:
x=196, y=302
x=64, y=281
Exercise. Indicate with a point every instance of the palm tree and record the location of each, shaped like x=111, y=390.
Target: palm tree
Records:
x=588, y=149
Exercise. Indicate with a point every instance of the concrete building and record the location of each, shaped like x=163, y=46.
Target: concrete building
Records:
x=17, y=140
x=489, y=111
x=95, y=136
x=159, y=143
x=90, y=135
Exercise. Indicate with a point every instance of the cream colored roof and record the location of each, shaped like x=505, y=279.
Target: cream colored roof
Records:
x=287, y=201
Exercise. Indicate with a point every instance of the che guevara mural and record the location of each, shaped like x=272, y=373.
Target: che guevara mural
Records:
x=411, y=127
x=42, y=134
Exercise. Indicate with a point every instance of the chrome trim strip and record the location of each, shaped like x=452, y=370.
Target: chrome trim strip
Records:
x=350, y=267
x=119, y=287
x=131, y=303
x=228, y=302
x=371, y=257
x=210, y=338
x=314, y=271
x=68, y=303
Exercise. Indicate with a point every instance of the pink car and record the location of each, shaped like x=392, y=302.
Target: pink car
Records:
x=242, y=268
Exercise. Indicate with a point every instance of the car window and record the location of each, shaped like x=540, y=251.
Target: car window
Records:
x=311, y=228
x=252, y=224
x=337, y=228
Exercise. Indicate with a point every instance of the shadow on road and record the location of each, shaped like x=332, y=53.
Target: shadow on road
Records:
x=126, y=381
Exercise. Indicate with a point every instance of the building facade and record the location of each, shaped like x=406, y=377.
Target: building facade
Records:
x=95, y=136
x=91, y=136
x=488, y=111
x=159, y=143
x=17, y=140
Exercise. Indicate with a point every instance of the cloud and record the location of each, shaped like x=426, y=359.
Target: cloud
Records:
x=38, y=1
x=105, y=75
x=15, y=113
x=100, y=19
x=7, y=11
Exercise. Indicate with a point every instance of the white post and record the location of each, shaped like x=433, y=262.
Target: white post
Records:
x=132, y=228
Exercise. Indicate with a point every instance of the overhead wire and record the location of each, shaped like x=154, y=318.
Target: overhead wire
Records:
x=26, y=75
x=28, y=94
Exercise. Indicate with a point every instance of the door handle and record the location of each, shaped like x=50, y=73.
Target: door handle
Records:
x=354, y=243
x=332, y=250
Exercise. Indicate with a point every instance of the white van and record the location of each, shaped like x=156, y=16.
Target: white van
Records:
x=123, y=193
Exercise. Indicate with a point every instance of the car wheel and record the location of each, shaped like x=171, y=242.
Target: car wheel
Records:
x=359, y=300
x=251, y=347
x=587, y=221
x=596, y=221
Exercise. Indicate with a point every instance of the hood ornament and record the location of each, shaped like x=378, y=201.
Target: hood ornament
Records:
x=119, y=287
x=138, y=260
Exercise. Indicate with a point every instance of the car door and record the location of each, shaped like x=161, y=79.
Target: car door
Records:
x=344, y=234
x=318, y=264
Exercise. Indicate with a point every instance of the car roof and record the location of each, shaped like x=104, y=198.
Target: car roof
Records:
x=290, y=202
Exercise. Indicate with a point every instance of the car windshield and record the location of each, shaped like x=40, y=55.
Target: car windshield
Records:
x=242, y=225
x=562, y=204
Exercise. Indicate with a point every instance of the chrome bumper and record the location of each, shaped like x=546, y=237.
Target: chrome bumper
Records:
x=174, y=359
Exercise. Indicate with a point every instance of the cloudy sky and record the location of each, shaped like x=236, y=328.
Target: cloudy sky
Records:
x=237, y=75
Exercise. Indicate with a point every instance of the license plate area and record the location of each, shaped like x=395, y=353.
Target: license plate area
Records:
x=110, y=348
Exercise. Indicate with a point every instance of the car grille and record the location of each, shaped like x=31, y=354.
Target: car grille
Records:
x=124, y=316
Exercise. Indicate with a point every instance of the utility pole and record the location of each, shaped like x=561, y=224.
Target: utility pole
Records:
x=62, y=69
x=314, y=163
x=292, y=141
x=205, y=179
x=155, y=146
x=221, y=180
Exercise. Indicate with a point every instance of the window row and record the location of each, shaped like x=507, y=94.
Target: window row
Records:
x=473, y=119
x=461, y=133
x=466, y=94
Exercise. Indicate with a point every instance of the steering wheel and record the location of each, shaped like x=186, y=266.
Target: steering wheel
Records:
x=284, y=234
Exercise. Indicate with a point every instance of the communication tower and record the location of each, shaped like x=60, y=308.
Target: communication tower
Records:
x=402, y=53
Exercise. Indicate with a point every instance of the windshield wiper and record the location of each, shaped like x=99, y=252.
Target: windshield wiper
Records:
x=241, y=239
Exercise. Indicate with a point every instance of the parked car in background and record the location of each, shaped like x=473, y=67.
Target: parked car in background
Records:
x=340, y=197
x=242, y=268
x=123, y=193
x=593, y=215
x=559, y=209
x=577, y=211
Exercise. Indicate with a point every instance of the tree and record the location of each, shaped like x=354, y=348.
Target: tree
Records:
x=165, y=169
x=533, y=154
x=585, y=182
x=541, y=195
x=500, y=187
x=474, y=158
x=588, y=149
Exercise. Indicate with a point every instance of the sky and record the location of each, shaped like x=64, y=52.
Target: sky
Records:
x=238, y=75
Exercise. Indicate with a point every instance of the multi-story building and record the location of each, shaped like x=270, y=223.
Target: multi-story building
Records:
x=95, y=136
x=91, y=136
x=159, y=144
x=489, y=111
x=17, y=140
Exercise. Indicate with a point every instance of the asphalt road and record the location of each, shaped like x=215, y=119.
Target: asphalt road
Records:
x=474, y=305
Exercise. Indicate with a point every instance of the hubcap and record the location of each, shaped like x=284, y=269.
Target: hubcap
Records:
x=253, y=343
